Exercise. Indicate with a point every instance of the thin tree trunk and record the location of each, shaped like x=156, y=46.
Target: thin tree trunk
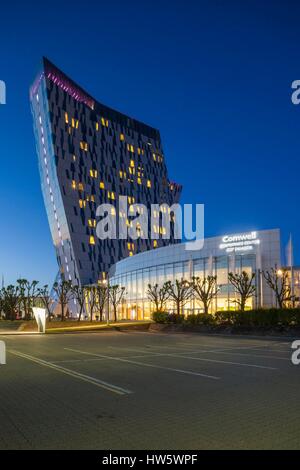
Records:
x=80, y=313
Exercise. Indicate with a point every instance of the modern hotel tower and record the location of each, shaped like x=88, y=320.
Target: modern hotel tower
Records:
x=88, y=155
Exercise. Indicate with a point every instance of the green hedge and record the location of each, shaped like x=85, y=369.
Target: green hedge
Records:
x=168, y=318
x=200, y=319
x=253, y=318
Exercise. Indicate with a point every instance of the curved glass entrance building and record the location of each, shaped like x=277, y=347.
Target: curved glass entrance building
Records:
x=250, y=252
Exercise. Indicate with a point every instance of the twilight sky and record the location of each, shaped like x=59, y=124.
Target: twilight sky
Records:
x=215, y=78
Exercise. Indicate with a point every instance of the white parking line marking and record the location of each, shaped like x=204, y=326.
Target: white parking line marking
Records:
x=144, y=364
x=221, y=362
x=251, y=355
x=96, y=359
x=208, y=348
x=76, y=375
x=183, y=356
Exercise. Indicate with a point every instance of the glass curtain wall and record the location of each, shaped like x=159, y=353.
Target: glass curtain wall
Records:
x=136, y=305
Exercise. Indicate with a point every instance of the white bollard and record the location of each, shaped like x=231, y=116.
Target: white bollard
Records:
x=2, y=353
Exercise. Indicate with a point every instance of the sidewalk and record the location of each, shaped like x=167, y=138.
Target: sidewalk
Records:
x=16, y=332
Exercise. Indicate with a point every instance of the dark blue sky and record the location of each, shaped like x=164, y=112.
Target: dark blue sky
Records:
x=213, y=76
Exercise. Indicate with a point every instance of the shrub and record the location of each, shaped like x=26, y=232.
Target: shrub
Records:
x=160, y=317
x=223, y=317
x=168, y=318
x=176, y=319
x=200, y=319
x=265, y=318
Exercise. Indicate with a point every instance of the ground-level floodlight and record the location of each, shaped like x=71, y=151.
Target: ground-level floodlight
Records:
x=40, y=317
x=2, y=353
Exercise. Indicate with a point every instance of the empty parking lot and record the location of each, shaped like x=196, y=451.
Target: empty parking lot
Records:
x=138, y=390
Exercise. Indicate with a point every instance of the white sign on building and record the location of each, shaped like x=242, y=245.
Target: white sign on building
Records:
x=239, y=242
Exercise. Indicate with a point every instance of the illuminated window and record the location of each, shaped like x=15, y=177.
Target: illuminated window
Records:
x=74, y=184
x=80, y=187
x=66, y=118
x=74, y=158
x=90, y=198
x=122, y=137
x=132, y=163
x=75, y=123
x=139, y=181
x=92, y=240
x=82, y=203
x=131, y=200
x=154, y=157
x=101, y=185
x=113, y=211
x=130, y=148
x=93, y=173
x=154, y=243
x=92, y=223
x=104, y=122
x=130, y=253
x=97, y=126
x=148, y=184
x=84, y=146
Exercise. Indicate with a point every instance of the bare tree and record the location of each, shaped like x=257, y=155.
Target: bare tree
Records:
x=46, y=300
x=158, y=295
x=205, y=290
x=28, y=293
x=79, y=294
x=102, y=297
x=278, y=281
x=63, y=290
x=92, y=299
x=10, y=300
x=180, y=292
x=116, y=295
x=243, y=284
